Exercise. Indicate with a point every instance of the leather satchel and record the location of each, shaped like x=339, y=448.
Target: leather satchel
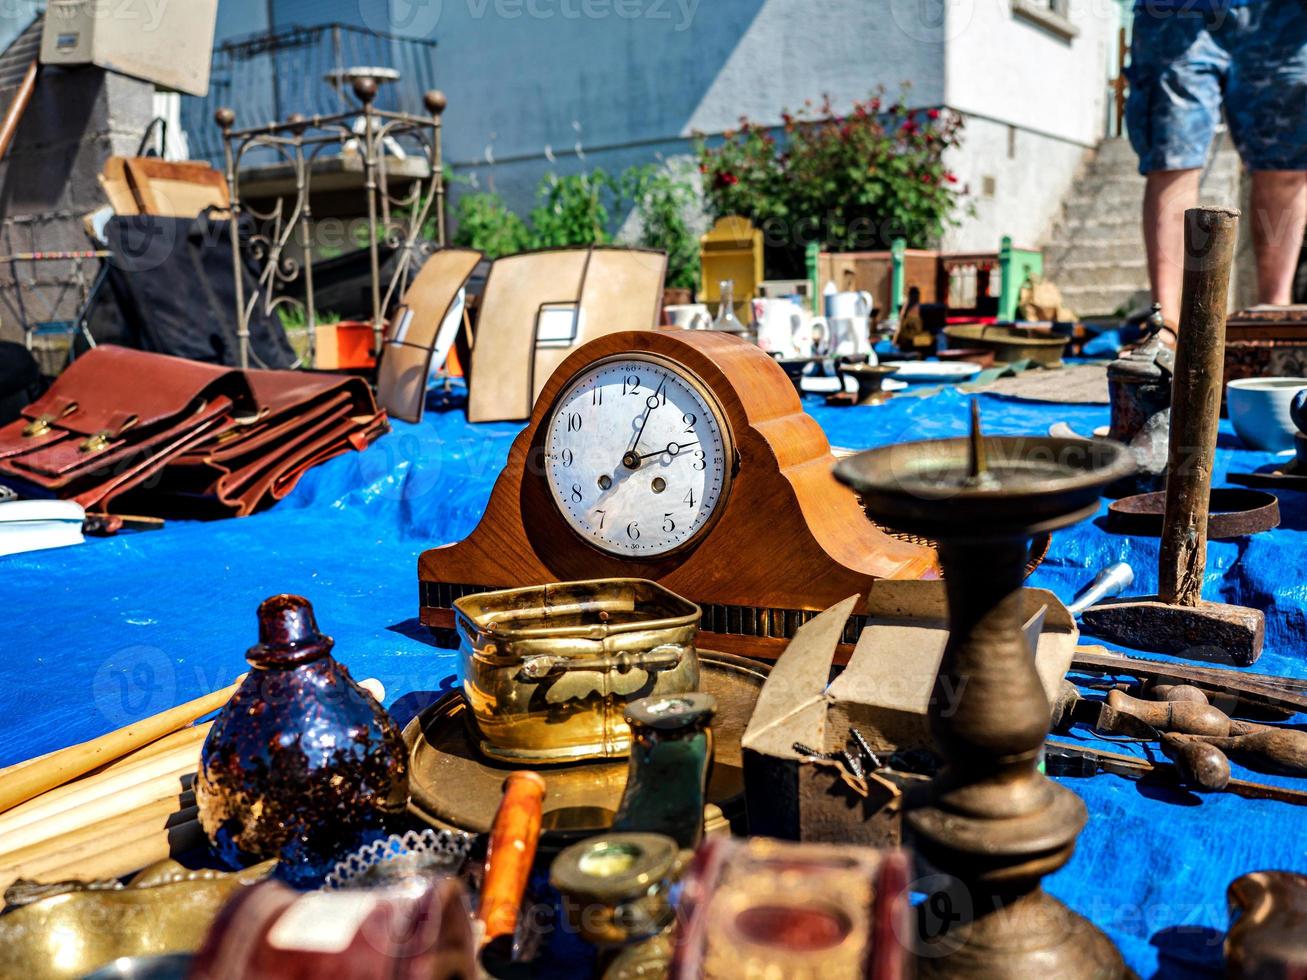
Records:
x=127, y=431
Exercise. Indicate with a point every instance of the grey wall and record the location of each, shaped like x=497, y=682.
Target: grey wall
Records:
x=77, y=118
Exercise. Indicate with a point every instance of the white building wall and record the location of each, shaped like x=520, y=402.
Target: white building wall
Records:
x=1029, y=186
x=1035, y=102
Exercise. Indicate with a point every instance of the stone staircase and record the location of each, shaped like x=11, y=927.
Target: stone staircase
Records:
x=1095, y=253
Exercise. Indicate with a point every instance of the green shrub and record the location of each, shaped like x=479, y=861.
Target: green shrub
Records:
x=486, y=223
x=577, y=209
x=662, y=200
x=849, y=182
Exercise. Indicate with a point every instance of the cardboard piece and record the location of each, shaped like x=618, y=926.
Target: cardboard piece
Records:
x=538, y=307
x=884, y=692
x=179, y=189
x=117, y=190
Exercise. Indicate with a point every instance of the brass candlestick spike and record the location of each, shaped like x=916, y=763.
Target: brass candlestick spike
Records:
x=991, y=820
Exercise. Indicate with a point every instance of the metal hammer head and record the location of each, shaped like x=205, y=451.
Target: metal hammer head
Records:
x=1210, y=631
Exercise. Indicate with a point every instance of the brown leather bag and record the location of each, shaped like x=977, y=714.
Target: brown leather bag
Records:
x=129, y=431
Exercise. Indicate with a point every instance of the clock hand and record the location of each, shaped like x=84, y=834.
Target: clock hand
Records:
x=672, y=447
x=650, y=404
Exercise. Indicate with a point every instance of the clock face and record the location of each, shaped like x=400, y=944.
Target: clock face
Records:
x=638, y=456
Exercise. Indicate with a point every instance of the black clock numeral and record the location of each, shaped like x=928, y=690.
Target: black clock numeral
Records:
x=669, y=525
x=576, y=492
x=567, y=457
x=633, y=531
x=596, y=395
x=574, y=422
x=689, y=497
x=689, y=418
x=601, y=514
x=631, y=385
x=700, y=461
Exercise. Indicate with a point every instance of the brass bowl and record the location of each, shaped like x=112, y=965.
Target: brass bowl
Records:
x=548, y=670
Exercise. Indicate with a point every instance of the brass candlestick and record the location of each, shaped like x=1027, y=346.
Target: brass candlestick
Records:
x=990, y=819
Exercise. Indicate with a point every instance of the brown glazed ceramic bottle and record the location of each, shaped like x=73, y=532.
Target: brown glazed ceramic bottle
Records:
x=301, y=759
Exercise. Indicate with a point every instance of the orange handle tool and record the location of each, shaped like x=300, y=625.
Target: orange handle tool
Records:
x=512, y=851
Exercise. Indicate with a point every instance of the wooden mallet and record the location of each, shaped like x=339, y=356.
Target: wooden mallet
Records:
x=1178, y=620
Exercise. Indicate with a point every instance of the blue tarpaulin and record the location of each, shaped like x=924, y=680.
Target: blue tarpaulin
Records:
x=109, y=632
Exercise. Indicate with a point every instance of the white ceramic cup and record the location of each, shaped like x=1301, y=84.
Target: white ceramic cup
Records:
x=850, y=335
x=848, y=305
x=1259, y=411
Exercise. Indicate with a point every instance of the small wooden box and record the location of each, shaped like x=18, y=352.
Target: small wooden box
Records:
x=1266, y=342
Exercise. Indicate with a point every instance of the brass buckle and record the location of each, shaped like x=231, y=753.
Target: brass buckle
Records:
x=40, y=425
x=99, y=442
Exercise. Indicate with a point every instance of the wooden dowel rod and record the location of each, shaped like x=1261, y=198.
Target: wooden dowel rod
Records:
x=132, y=855
x=133, y=827
x=1210, y=235
x=99, y=807
x=85, y=791
x=7, y=770
x=117, y=774
x=102, y=832
x=69, y=763
x=14, y=114
x=190, y=735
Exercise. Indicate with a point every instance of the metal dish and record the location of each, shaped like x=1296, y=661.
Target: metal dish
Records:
x=1233, y=513
x=934, y=370
x=455, y=786
x=1010, y=344
x=91, y=925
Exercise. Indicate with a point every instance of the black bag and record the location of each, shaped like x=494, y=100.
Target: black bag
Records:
x=169, y=288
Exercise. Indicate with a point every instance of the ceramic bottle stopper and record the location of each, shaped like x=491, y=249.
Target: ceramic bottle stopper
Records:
x=671, y=754
x=301, y=757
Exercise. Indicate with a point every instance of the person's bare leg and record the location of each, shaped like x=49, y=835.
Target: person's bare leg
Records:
x=1279, y=212
x=1167, y=195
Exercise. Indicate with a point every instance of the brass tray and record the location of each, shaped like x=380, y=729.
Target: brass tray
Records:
x=454, y=786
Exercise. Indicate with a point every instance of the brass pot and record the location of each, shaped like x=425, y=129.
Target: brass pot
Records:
x=549, y=670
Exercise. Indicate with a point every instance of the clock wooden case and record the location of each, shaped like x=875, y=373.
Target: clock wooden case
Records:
x=783, y=542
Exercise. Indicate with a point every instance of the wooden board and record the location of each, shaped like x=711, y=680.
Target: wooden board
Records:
x=790, y=541
x=175, y=189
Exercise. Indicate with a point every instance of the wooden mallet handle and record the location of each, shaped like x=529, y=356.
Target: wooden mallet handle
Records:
x=1210, y=235
x=512, y=850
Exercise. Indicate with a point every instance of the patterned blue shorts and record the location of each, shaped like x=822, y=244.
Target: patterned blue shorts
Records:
x=1185, y=66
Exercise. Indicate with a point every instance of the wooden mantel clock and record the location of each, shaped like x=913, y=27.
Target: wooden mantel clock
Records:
x=684, y=457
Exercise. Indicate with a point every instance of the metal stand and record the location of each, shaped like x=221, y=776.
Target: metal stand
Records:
x=991, y=820
x=399, y=220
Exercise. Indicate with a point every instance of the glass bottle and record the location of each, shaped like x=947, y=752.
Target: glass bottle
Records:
x=726, y=320
x=302, y=761
x=671, y=755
